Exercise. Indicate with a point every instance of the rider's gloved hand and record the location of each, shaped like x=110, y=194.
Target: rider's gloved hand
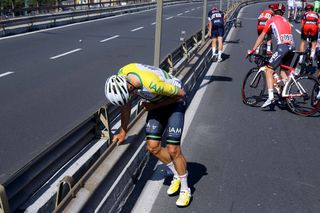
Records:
x=250, y=52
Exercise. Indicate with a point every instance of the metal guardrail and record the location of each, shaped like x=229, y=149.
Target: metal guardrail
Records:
x=36, y=22
x=23, y=184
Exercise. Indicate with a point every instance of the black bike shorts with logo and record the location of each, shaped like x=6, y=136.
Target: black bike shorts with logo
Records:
x=168, y=120
x=282, y=55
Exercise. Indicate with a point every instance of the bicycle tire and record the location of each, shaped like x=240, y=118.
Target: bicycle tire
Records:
x=303, y=104
x=254, y=93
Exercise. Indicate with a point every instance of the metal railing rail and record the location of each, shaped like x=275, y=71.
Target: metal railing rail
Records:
x=42, y=21
x=21, y=186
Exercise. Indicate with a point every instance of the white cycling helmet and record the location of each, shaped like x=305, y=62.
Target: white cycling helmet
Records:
x=116, y=90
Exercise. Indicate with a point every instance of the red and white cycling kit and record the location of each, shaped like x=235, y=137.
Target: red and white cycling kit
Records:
x=281, y=30
x=262, y=20
x=309, y=25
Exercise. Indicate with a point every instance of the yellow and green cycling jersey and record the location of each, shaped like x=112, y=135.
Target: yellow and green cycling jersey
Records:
x=156, y=84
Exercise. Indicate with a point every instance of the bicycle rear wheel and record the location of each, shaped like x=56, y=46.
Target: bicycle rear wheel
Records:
x=254, y=92
x=302, y=95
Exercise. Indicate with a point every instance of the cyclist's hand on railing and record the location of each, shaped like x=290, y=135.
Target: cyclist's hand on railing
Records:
x=119, y=138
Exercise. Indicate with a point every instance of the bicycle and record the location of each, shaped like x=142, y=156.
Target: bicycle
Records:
x=299, y=92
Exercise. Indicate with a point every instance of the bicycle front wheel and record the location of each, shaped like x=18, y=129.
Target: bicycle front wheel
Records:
x=302, y=95
x=254, y=92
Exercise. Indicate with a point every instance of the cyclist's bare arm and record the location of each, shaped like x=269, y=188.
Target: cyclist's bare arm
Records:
x=259, y=40
x=170, y=100
x=125, y=117
x=209, y=28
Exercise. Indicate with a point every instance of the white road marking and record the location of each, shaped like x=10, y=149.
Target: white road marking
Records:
x=298, y=31
x=5, y=74
x=169, y=18
x=192, y=9
x=198, y=7
x=187, y=11
x=107, y=39
x=67, y=53
x=291, y=25
x=153, y=23
x=136, y=29
x=180, y=14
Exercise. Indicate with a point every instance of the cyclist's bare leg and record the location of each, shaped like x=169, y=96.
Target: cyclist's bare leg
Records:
x=269, y=72
x=284, y=76
x=313, y=49
x=178, y=158
x=269, y=78
x=155, y=148
x=220, y=47
x=301, y=49
x=214, y=46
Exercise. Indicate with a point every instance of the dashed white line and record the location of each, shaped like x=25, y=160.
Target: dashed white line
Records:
x=180, y=14
x=169, y=18
x=67, y=53
x=187, y=11
x=4, y=74
x=298, y=31
x=107, y=39
x=136, y=29
x=153, y=23
x=192, y=9
x=198, y=7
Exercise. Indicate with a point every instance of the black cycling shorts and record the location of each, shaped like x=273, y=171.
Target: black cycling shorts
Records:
x=217, y=30
x=282, y=55
x=168, y=120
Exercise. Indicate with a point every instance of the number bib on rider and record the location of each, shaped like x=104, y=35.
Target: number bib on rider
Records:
x=286, y=38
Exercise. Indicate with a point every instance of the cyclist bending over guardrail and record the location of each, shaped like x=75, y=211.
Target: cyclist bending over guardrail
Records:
x=166, y=108
x=216, y=31
x=283, y=54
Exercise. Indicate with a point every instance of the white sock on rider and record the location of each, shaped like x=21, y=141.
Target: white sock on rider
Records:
x=270, y=94
x=313, y=52
x=214, y=51
x=300, y=59
x=184, y=182
x=219, y=53
x=173, y=169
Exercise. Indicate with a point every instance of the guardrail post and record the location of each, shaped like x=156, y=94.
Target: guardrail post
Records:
x=64, y=188
x=170, y=62
x=102, y=116
x=4, y=205
x=195, y=39
x=185, y=50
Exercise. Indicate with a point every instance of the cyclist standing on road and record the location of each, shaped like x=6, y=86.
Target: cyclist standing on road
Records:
x=166, y=108
x=291, y=4
x=283, y=54
x=216, y=31
x=309, y=28
x=262, y=20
